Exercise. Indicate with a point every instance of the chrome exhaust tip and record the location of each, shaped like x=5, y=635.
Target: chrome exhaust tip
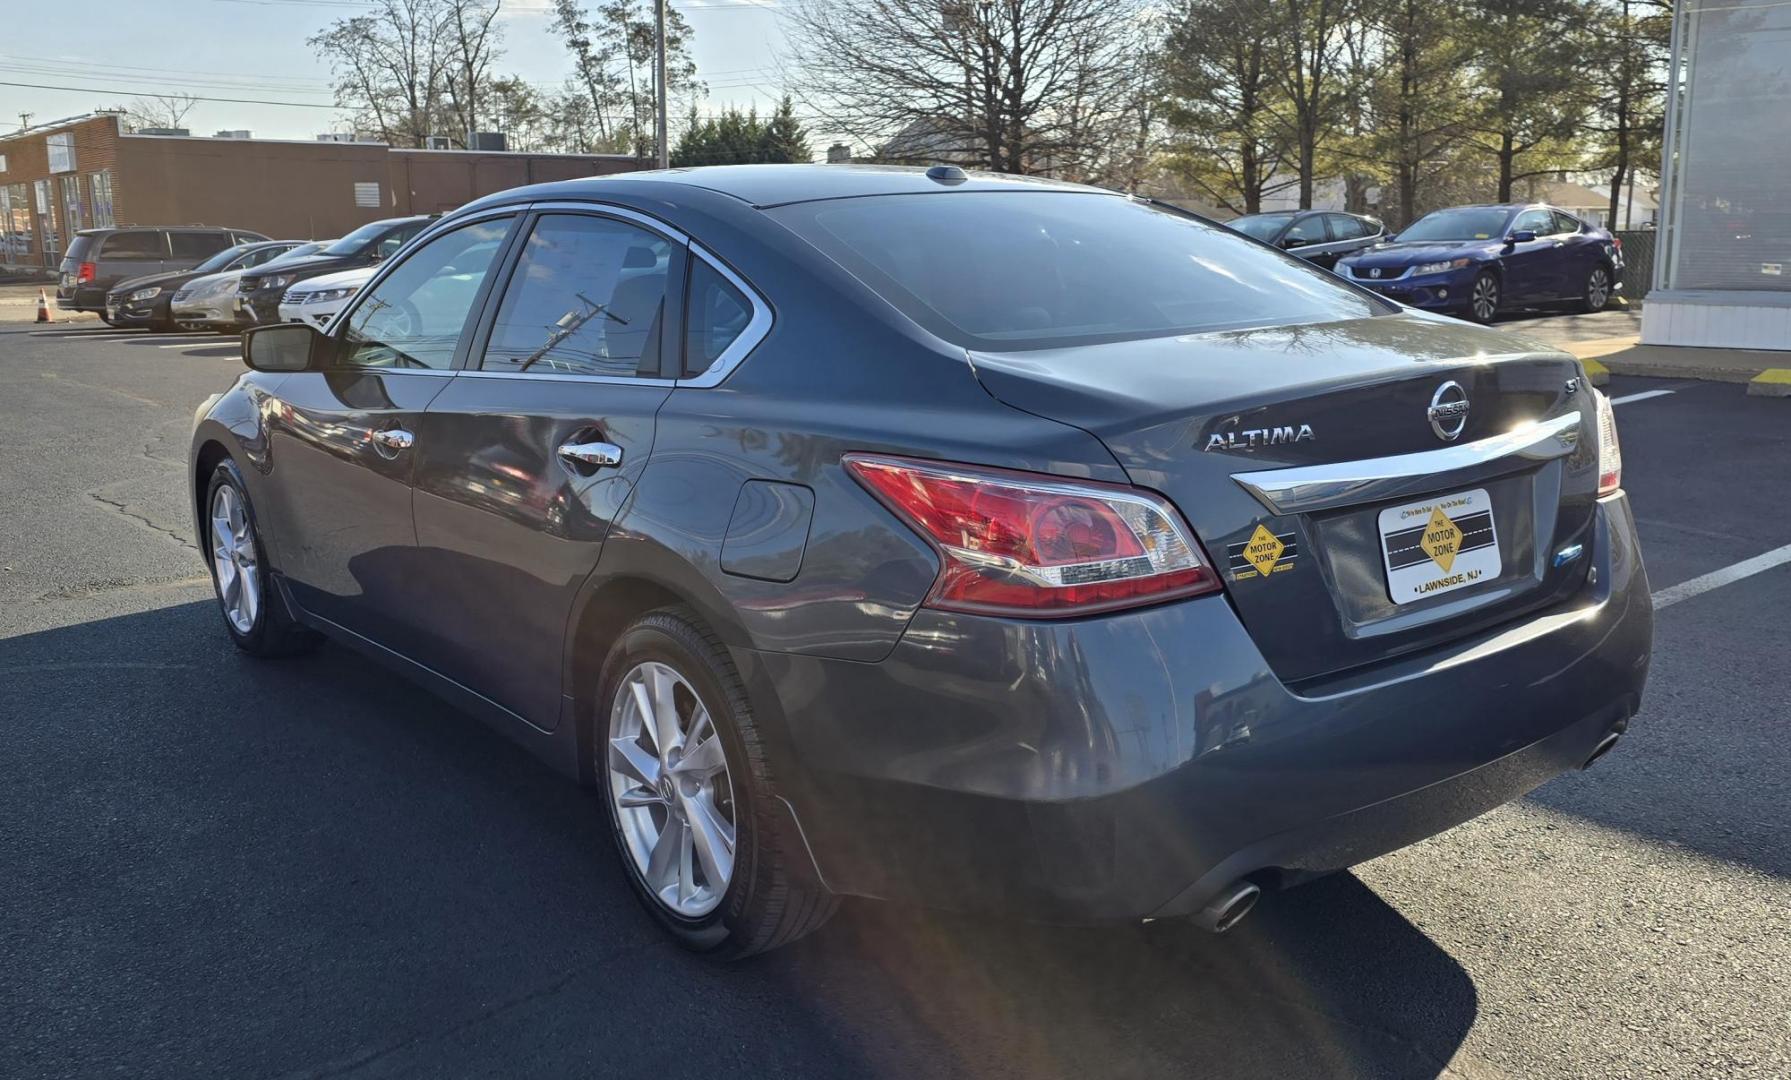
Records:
x=1228, y=908
x=1605, y=746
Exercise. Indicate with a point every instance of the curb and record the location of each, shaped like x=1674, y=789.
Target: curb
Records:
x=1773, y=382
x=1597, y=372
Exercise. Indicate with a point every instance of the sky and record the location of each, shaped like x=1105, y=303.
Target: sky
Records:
x=107, y=52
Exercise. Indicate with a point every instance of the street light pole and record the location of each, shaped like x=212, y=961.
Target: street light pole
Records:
x=665, y=154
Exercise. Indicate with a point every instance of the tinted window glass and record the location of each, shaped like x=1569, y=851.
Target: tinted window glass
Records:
x=717, y=314
x=142, y=244
x=1017, y=270
x=1261, y=226
x=586, y=299
x=1305, y=231
x=355, y=242
x=228, y=259
x=197, y=245
x=389, y=244
x=77, y=248
x=1537, y=221
x=415, y=317
x=1345, y=227
x=1566, y=223
x=1462, y=223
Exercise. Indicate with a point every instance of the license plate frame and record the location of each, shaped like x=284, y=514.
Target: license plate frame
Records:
x=1438, y=545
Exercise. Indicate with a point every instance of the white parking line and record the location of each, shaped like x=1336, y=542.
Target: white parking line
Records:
x=1716, y=579
x=1643, y=396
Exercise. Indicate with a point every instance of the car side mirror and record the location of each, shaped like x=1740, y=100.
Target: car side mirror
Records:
x=1522, y=236
x=280, y=347
x=1293, y=241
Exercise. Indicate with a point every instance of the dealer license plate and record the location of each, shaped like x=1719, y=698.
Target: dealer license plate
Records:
x=1439, y=545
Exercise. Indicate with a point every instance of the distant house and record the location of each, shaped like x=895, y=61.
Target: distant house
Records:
x=1591, y=203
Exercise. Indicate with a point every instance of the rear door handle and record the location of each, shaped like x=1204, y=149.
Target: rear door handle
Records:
x=592, y=453
x=394, y=439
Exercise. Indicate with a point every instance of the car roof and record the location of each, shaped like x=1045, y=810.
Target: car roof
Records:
x=778, y=185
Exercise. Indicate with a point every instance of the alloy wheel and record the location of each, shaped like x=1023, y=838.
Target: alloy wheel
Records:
x=1486, y=298
x=1598, y=289
x=233, y=559
x=670, y=788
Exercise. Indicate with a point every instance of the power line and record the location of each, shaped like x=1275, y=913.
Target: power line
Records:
x=195, y=97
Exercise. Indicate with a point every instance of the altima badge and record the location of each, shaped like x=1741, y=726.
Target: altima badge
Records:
x=1253, y=438
x=1449, y=411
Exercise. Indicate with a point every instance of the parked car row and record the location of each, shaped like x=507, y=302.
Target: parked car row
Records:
x=1472, y=261
x=201, y=277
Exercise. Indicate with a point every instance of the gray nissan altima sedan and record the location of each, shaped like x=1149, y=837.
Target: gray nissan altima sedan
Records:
x=969, y=541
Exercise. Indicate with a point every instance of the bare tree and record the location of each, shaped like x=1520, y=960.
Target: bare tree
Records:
x=389, y=67
x=1308, y=41
x=612, y=61
x=1011, y=85
x=159, y=111
x=472, y=35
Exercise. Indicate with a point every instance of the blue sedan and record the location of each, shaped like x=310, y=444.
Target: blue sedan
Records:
x=1479, y=260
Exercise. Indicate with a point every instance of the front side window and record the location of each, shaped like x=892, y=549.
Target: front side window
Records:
x=716, y=314
x=1536, y=221
x=1041, y=269
x=586, y=299
x=1308, y=230
x=1262, y=227
x=415, y=316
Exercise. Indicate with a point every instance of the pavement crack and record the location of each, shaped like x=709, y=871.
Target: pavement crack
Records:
x=124, y=511
x=546, y=990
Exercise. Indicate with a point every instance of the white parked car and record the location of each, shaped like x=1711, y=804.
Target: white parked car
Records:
x=316, y=300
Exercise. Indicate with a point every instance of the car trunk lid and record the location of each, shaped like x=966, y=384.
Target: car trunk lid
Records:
x=1307, y=462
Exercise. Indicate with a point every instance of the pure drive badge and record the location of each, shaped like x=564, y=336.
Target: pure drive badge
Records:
x=1255, y=438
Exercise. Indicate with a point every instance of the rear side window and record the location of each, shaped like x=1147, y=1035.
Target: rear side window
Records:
x=1566, y=223
x=586, y=298
x=716, y=315
x=198, y=245
x=78, y=248
x=142, y=244
x=1026, y=270
x=1345, y=227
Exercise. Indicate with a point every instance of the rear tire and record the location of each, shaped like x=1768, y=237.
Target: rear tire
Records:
x=1483, y=298
x=254, y=611
x=1597, y=293
x=763, y=904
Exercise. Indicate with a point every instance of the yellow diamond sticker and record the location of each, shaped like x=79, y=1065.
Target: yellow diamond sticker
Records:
x=1441, y=540
x=1263, y=550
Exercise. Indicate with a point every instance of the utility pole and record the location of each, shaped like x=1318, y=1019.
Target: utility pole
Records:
x=665, y=150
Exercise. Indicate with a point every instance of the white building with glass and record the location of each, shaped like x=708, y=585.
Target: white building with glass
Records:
x=1722, y=273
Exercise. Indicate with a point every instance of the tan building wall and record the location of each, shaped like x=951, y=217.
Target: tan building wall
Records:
x=283, y=189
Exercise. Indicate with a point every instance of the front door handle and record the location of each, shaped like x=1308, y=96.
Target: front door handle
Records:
x=394, y=439
x=592, y=453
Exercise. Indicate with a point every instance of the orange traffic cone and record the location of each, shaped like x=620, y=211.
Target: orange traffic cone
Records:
x=43, y=307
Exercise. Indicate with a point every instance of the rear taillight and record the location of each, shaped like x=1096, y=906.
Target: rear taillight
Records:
x=1034, y=546
x=87, y=272
x=1610, y=453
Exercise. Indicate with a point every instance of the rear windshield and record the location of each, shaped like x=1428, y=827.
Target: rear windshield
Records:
x=1260, y=226
x=1464, y=223
x=354, y=242
x=1031, y=270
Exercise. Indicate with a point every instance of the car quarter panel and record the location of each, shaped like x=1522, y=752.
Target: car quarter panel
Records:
x=963, y=775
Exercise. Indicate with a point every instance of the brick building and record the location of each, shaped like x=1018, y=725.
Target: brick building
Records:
x=85, y=172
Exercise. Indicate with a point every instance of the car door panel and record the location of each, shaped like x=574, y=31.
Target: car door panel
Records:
x=1530, y=272
x=509, y=528
x=343, y=438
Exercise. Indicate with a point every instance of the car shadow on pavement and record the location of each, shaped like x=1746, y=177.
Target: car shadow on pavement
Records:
x=215, y=864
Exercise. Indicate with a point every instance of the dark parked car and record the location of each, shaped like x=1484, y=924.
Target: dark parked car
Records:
x=98, y=259
x=258, y=295
x=1479, y=260
x=960, y=539
x=1318, y=236
x=147, y=301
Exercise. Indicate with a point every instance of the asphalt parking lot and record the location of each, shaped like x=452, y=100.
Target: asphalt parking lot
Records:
x=213, y=866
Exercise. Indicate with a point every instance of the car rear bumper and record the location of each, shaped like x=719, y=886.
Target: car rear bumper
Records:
x=80, y=299
x=1134, y=765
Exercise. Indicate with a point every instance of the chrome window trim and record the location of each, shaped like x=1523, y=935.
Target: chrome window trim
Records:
x=566, y=376
x=1345, y=483
x=741, y=347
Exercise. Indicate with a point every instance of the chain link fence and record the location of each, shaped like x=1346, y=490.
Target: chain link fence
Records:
x=1638, y=261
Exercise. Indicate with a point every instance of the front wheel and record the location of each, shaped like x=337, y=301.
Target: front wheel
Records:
x=1483, y=297
x=1597, y=292
x=690, y=795
x=258, y=622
